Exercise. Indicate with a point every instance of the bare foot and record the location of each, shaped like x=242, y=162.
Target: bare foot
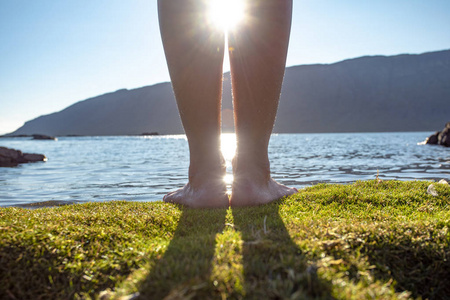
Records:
x=209, y=195
x=204, y=190
x=255, y=187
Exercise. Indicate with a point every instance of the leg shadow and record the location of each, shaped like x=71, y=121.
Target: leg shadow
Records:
x=185, y=268
x=417, y=267
x=274, y=267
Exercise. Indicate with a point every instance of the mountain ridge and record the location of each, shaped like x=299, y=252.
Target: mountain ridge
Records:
x=405, y=92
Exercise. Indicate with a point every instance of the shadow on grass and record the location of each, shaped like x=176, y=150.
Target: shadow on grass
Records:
x=274, y=267
x=31, y=273
x=186, y=265
x=420, y=268
x=25, y=273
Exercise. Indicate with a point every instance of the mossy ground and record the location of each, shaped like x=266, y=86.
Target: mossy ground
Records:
x=370, y=239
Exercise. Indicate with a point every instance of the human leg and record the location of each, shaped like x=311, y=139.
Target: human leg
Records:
x=194, y=52
x=258, y=49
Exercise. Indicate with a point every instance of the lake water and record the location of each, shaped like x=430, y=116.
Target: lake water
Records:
x=137, y=168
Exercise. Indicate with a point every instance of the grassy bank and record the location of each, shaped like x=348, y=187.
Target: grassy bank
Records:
x=370, y=239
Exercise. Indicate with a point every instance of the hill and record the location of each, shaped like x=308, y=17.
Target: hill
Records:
x=367, y=94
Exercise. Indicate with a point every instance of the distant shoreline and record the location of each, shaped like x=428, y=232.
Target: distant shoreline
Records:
x=171, y=134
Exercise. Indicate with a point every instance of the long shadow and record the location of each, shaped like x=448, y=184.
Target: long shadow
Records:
x=274, y=267
x=418, y=267
x=186, y=265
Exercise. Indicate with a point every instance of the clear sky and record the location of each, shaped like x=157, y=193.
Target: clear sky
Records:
x=55, y=53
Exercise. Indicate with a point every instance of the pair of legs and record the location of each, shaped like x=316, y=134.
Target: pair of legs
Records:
x=194, y=51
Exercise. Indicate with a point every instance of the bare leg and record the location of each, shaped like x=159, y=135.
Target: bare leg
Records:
x=194, y=52
x=258, y=50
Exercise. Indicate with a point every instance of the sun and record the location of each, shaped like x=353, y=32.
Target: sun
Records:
x=226, y=14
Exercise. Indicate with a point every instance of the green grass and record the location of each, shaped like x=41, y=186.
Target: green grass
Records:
x=385, y=240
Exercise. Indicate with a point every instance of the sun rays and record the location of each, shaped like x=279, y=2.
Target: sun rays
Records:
x=226, y=14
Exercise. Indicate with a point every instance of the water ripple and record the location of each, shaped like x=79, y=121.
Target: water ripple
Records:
x=145, y=168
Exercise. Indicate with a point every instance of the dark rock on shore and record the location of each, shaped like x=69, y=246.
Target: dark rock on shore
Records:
x=11, y=157
x=440, y=137
x=433, y=139
x=43, y=137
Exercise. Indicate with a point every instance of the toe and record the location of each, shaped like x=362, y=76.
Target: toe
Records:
x=166, y=197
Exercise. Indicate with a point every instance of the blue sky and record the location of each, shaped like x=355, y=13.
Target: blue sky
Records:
x=55, y=53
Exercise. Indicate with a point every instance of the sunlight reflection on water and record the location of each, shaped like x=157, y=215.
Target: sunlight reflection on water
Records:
x=228, y=147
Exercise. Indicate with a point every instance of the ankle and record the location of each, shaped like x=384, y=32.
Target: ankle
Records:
x=251, y=168
x=199, y=173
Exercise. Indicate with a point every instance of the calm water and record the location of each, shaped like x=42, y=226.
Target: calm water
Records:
x=146, y=168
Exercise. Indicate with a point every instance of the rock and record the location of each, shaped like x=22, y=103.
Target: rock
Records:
x=444, y=136
x=150, y=133
x=31, y=157
x=443, y=181
x=431, y=190
x=43, y=137
x=11, y=157
x=440, y=137
x=432, y=139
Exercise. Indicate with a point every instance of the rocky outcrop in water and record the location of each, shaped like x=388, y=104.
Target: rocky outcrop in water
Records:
x=440, y=137
x=43, y=137
x=12, y=158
